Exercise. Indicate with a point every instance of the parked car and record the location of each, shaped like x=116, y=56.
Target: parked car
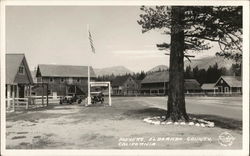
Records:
x=66, y=100
x=80, y=98
x=97, y=97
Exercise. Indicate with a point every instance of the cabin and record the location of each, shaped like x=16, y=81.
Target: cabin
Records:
x=157, y=83
x=209, y=88
x=124, y=85
x=64, y=80
x=229, y=84
x=18, y=77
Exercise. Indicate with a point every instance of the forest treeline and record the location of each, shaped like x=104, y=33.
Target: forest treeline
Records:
x=209, y=75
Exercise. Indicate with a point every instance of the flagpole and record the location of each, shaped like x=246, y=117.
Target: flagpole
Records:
x=89, y=98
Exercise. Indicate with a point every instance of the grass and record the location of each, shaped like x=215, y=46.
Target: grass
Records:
x=99, y=127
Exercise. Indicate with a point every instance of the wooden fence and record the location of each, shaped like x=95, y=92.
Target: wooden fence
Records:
x=16, y=103
x=13, y=104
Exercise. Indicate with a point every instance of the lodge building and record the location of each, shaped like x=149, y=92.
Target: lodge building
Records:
x=157, y=83
x=64, y=80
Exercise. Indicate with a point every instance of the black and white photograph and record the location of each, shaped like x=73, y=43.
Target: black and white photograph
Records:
x=126, y=79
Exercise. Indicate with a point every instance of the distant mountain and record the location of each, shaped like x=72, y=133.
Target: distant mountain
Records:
x=116, y=70
x=157, y=68
x=205, y=62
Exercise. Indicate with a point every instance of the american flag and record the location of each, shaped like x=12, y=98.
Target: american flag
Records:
x=91, y=42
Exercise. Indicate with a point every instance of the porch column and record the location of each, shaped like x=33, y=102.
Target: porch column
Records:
x=17, y=91
x=13, y=91
x=25, y=91
x=8, y=95
x=13, y=95
x=29, y=90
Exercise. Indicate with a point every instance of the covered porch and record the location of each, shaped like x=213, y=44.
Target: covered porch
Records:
x=17, y=95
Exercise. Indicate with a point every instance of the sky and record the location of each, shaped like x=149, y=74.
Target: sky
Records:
x=58, y=35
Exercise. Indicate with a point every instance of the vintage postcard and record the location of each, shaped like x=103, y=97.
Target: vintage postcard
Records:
x=124, y=77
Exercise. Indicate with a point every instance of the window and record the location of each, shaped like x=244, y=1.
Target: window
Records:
x=62, y=79
x=51, y=79
x=70, y=80
x=39, y=79
x=226, y=89
x=78, y=79
x=21, y=70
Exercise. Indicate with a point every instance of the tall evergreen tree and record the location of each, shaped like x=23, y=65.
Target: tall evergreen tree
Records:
x=192, y=28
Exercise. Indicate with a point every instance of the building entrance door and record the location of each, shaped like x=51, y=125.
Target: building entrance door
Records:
x=21, y=91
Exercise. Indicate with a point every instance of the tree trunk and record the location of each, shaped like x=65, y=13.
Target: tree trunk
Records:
x=176, y=99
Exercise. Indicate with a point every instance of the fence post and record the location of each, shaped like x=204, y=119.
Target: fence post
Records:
x=13, y=103
x=27, y=104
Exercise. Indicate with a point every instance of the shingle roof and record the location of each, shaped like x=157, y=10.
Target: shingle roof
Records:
x=156, y=77
x=159, y=77
x=119, y=80
x=233, y=81
x=192, y=84
x=13, y=62
x=207, y=86
x=47, y=70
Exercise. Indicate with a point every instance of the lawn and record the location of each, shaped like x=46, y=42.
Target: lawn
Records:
x=121, y=126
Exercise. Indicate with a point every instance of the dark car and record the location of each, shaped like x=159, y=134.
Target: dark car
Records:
x=97, y=97
x=66, y=100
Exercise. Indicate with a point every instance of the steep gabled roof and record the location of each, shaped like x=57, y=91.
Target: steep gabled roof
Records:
x=232, y=81
x=13, y=61
x=156, y=77
x=47, y=70
x=192, y=84
x=119, y=80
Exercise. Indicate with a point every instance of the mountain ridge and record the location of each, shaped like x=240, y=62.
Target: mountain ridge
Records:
x=115, y=70
x=204, y=63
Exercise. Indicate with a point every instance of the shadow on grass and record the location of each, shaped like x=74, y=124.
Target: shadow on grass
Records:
x=143, y=113
x=219, y=121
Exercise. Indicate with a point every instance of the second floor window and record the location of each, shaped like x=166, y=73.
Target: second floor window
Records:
x=78, y=79
x=70, y=80
x=51, y=79
x=21, y=70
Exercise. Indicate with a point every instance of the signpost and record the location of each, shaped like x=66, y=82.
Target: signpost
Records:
x=102, y=84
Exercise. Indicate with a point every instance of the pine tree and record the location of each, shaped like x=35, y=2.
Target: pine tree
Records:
x=192, y=28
